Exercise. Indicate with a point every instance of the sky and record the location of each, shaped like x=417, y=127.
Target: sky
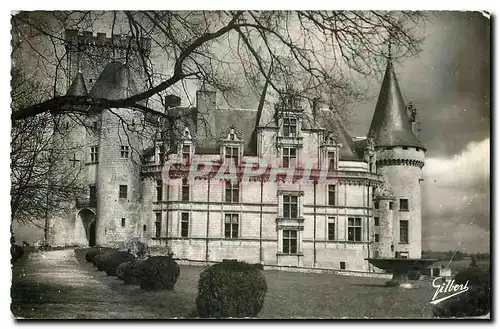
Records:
x=449, y=84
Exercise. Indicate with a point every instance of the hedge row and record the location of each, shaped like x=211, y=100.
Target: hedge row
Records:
x=158, y=272
x=474, y=302
x=153, y=273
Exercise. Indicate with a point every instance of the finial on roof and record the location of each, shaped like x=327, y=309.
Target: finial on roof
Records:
x=390, y=125
x=389, y=51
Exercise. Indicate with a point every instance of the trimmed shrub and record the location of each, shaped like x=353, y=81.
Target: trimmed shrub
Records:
x=92, y=252
x=475, y=301
x=414, y=275
x=99, y=260
x=100, y=256
x=231, y=289
x=476, y=275
x=16, y=252
x=136, y=247
x=259, y=266
x=158, y=273
x=113, y=259
x=128, y=272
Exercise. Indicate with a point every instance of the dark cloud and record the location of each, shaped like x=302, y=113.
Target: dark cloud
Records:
x=456, y=199
x=448, y=82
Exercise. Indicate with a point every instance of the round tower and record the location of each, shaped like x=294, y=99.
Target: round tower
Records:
x=399, y=158
x=69, y=138
x=118, y=164
x=384, y=224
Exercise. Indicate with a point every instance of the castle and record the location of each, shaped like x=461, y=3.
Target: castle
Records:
x=369, y=207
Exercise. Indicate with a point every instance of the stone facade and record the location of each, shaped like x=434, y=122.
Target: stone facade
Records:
x=277, y=222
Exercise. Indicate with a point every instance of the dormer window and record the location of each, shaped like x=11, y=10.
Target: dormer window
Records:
x=232, y=146
x=187, y=134
x=232, y=152
x=289, y=157
x=331, y=161
x=186, y=152
x=289, y=127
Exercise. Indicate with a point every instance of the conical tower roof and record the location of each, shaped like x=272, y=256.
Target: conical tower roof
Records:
x=115, y=82
x=77, y=87
x=390, y=124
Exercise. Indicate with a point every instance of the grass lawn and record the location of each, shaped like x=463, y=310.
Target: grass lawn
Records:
x=290, y=295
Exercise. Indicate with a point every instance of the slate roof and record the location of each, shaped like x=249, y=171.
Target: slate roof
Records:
x=77, y=87
x=212, y=128
x=115, y=82
x=390, y=125
x=332, y=123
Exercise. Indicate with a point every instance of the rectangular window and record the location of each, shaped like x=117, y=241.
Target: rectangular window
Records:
x=231, y=225
x=331, y=161
x=95, y=127
x=232, y=192
x=185, y=190
x=354, y=229
x=331, y=195
x=289, y=157
x=123, y=192
x=159, y=190
x=186, y=153
x=342, y=265
x=376, y=254
x=184, y=225
x=403, y=204
x=331, y=230
x=94, y=154
x=92, y=194
x=377, y=238
x=290, y=206
x=289, y=241
x=403, y=231
x=377, y=223
x=232, y=153
x=161, y=154
x=123, y=222
x=375, y=203
x=401, y=254
x=391, y=205
x=124, y=150
x=158, y=224
x=289, y=127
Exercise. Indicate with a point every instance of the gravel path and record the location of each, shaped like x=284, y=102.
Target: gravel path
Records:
x=54, y=285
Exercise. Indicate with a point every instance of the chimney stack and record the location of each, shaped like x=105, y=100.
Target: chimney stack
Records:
x=205, y=100
x=172, y=101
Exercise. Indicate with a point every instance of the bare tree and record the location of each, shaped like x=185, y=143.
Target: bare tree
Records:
x=40, y=176
x=257, y=55
x=228, y=50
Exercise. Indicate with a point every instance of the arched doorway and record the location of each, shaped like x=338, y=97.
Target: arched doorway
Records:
x=89, y=221
x=91, y=235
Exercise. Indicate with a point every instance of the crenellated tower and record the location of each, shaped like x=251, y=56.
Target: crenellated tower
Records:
x=400, y=157
x=89, y=54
